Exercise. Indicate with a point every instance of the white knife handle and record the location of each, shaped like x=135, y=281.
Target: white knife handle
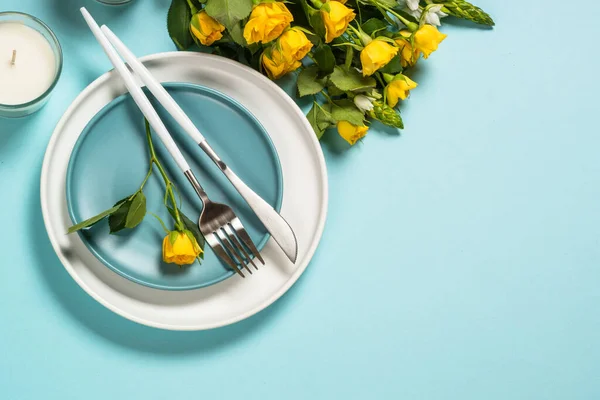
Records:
x=137, y=94
x=164, y=98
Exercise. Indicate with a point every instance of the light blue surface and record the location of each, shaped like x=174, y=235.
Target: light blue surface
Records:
x=117, y=134
x=473, y=271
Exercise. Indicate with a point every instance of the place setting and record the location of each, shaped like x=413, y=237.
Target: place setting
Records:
x=186, y=190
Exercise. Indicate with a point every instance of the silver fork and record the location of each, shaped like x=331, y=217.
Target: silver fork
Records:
x=224, y=231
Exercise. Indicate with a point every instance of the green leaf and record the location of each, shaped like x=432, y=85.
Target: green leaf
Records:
x=237, y=34
x=118, y=219
x=178, y=24
x=320, y=119
x=393, y=67
x=350, y=80
x=172, y=212
x=137, y=211
x=314, y=18
x=324, y=58
x=333, y=91
x=92, y=221
x=308, y=83
x=373, y=25
x=346, y=110
x=228, y=12
x=193, y=227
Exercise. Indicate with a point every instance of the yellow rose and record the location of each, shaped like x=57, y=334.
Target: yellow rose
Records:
x=351, y=133
x=275, y=64
x=341, y=1
x=205, y=28
x=408, y=54
x=427, y=39
x=399, y=88
x=376, y=55
x=267, y=22
x=294, y=45
x=182, y=250
x=336, y=20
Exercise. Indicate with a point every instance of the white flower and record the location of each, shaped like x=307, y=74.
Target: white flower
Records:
x=415, y=13
x=363, y=103
x=412, y=5
x=434, y=14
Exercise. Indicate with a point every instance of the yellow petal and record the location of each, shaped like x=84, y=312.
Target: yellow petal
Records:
x=351, y=133
x=336, y=20
x=376, y=55
x=427, y=39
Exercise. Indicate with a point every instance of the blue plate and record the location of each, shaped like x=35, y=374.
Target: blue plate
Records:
x=110, y=160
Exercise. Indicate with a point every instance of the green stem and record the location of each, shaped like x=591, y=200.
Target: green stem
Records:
x=160, y=221
x=192, y=7
x=386, y=16
x=349, y=57
x=327, y=97
x=362, y=36
x=378, y=76
x=169, y=185
x=410, y=25
x=146, y=178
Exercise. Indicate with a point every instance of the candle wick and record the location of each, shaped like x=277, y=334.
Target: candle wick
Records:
x=14, y=57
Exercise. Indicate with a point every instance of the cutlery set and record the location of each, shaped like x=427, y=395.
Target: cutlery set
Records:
x=222, y=229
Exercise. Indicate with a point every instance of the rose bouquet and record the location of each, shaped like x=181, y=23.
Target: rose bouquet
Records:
x=353, y=56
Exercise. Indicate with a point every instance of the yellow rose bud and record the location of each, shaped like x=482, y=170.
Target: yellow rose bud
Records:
x=351, y=133
x=275, y=64
x=180, y=248
x=399, y=88
x=427, y=39
x=293, y=66
x=408, y=54
x=205, y=28
x=294, y=45
x=376, y=55
x=267, y=22
x=336, y=20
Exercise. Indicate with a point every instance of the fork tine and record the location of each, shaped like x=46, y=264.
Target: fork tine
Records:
x=227, y=228
x=214, y=243
x=245, y=238
x=225, y=239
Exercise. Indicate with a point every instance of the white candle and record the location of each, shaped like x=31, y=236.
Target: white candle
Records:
x=34, y=67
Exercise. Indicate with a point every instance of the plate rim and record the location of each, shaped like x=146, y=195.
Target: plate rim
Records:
x=122, y=98
x=311, y=249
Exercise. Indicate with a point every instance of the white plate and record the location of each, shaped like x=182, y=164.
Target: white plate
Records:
x=304, y=199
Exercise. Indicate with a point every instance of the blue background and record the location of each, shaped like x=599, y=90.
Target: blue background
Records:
x=460, y=259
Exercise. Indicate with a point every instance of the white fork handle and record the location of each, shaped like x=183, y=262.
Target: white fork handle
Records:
x=154, y=86
x=137, y=94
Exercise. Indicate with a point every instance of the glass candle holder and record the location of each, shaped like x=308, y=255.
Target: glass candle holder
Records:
x=30, y=64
